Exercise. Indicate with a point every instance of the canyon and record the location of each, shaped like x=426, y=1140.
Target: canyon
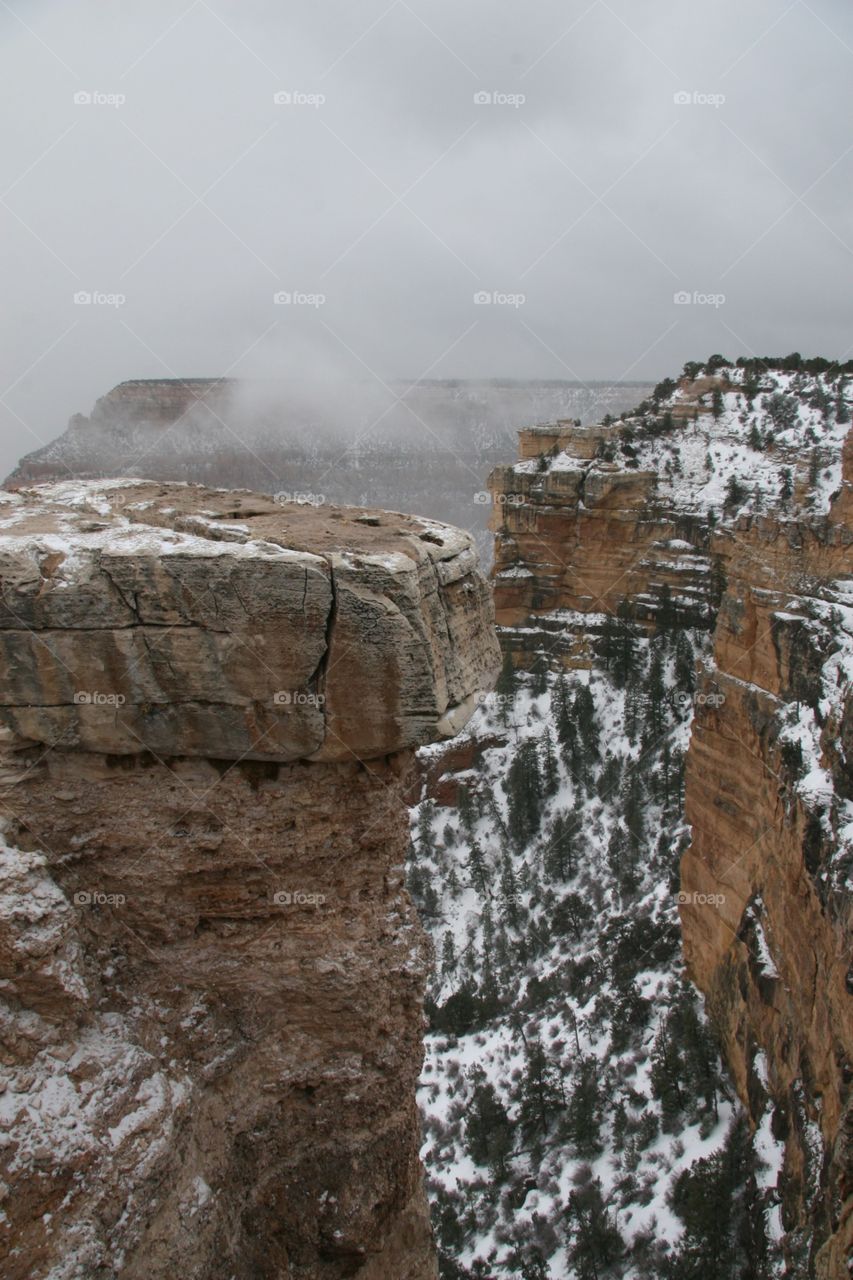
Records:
x=700, y=508
x=217, y=707
x=212, y=975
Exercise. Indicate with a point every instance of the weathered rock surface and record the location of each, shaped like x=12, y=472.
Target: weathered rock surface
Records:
x=766, y=914
x=211, y=976
x=226, y=624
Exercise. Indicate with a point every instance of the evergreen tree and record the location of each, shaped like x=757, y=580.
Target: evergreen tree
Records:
x=718, y=404
x=509, y=894
x=561, y=711
x=596, y=1248
x=583, y=1116
x=448, y=955
x=425, y=827
x=685, y=664
x=786, y=489
x=586, y=721
x=540, y=1094
x=539, y=671
x=656, y=699
x=550, y=768
x=477, y=870
x=488, y=1130
x=524, y=793
x=666, y=616
x=724, y=1233
x=560, y=857
x=617, y=647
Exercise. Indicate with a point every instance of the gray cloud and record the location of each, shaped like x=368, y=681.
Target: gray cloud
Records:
x=399, y=197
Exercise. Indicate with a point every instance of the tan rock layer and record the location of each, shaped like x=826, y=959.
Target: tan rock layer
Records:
x=211, y=1026
x=185, y=621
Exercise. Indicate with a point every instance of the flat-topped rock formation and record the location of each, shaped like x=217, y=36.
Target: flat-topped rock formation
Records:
x=226, y=624
x=211, y=975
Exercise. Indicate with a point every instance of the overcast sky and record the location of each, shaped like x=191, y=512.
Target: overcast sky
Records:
x=620, y=152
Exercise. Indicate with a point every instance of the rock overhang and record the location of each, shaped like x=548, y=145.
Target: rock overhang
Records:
x=183, y=621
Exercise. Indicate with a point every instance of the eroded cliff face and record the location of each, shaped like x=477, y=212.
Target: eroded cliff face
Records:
x=211, y=974
x=765, y=884
x=738, y=520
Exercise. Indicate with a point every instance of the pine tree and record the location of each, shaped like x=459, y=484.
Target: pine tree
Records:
x=587, y=722
x=448, y=955
x=559, y=858
x=550, y=768
x=488, y=1130
x=583, y=1117
x=509, y=894
x=477, y=870
x=666, y=616
x=524, y=792
x=656, y=699
x=561, y=711
x=718, y=404
x=540, y=1095
x=685, y=664
x=595, y=1245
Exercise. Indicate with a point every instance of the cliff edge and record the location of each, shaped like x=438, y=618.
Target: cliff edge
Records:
x=211, y=975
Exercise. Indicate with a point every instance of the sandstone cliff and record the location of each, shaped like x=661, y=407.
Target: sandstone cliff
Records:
x=211, y=975
x=724, y=504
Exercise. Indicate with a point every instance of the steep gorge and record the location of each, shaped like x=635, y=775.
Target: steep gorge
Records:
x=724, y=504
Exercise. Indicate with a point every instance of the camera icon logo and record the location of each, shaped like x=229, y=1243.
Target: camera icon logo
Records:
x=82, y=98
x=482, y=99
x=83, y=899
x=682, y=99
x=682, y=298
x=282, y=898
x=483, y=298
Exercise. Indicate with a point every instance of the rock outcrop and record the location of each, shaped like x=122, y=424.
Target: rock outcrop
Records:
x=210, y=973
x=732, y=515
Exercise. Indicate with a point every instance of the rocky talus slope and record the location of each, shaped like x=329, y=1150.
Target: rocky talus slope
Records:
x=211, y=975
x=724, y=503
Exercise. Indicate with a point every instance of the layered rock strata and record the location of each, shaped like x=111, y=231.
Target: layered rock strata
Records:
x=210, y=972
x=765, y=902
